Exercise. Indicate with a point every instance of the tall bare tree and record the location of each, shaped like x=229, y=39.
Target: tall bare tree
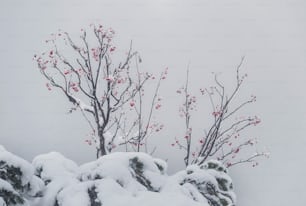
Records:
x=84, y=71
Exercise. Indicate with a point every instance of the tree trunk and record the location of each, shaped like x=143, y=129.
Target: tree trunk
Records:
x=102, y=149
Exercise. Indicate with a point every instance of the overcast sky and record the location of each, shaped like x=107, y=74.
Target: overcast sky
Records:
x=211, y=35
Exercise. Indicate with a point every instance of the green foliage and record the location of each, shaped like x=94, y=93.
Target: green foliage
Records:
x=217, y=193
x=223, y=184
x=11, y=174
x=137, y=171
x=10, y=197
x=16, y=186
x=214, y=165
x=160, y=168
x=224, y=202
x=136, y=165
x=92, y=193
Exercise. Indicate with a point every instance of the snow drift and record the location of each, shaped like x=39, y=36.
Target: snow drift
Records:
x=118, y=179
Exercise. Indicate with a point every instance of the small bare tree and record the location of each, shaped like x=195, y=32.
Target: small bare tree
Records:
x=143, y=105
x=85, y=73
x=144, y=126
x=222, y=140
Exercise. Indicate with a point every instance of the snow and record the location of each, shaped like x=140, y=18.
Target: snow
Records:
x=117, y=179
x=17, y=179
x=110, y=193
x=36, y=186
x=114, y=178
x=53, y=188
x=84, y=106
x=162, y=165
x=116, y=166
x=75, y=195
x=12, y=160
x=165, y=199
x=6, y=186
x=57, y=172
x=2, y=203
x=2, y=149
x=51, y=165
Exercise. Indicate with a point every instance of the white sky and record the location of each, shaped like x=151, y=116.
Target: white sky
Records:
x=212, y=35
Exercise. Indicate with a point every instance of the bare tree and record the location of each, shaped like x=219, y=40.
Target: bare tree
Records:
x=111, y=98
x=85, y=73
x=136, y=135
x=222, y=140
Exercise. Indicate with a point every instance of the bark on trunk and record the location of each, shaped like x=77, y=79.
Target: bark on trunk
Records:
x=102, y=149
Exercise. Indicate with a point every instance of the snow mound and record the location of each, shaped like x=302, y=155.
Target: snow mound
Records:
x=133, y=171
x=54, y=165
x=57, y=172
x=207, y=183
x=18, y=184
x=122, y=179
x=118, y=179
x=8, y=194
x=10, y=164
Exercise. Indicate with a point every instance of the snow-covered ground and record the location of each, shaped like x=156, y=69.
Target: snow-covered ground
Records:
x=118, y=179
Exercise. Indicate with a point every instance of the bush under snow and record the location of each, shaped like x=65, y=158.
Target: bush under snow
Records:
x=118, y=179
x=18, y=184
